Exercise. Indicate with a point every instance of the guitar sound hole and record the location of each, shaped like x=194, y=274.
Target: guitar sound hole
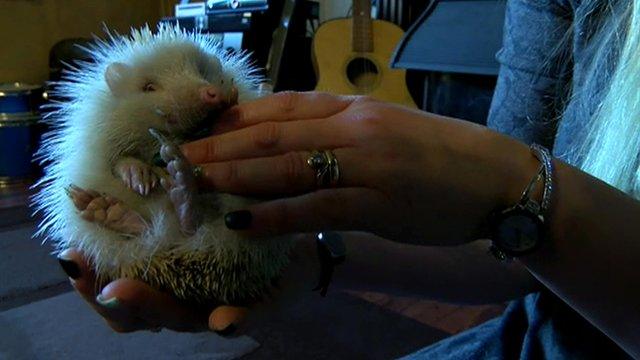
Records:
x=362, y=73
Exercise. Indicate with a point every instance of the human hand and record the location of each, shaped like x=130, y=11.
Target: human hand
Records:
x=406, y=175
x=129, y=305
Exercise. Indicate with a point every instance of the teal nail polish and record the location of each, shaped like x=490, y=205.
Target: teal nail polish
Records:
x=108, y=303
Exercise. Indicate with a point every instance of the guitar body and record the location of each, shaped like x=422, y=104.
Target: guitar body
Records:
x=341, y=70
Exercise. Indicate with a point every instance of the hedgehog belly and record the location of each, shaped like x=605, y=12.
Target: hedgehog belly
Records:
x=211, y=279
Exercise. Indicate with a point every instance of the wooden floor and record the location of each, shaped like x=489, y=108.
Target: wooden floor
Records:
x=449, y=318
x=14, y=203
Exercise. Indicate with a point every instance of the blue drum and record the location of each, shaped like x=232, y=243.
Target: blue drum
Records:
x=20, y=98
x=20, y=132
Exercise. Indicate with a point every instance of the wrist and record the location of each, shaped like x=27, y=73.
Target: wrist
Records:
x=516, y=166
x=518, y=228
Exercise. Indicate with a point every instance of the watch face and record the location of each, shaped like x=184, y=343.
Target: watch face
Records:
x=517, y=231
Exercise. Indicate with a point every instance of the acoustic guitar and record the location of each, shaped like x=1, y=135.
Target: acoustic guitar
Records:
x=351, y=57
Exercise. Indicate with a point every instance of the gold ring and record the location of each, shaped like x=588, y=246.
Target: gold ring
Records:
x=326, y=167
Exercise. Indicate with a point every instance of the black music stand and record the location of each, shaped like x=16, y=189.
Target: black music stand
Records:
x=454, y=43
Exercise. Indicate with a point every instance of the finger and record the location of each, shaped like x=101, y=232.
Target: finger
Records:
x=283, y=106
x=152, y=308
x=269, y=138
x=283, y=174
x=83, y=279
x=80, y=273
x=129, y=305
x=341, y=209
x=226, y=319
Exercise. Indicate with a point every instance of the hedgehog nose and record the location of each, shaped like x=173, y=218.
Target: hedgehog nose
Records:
x=211, y=95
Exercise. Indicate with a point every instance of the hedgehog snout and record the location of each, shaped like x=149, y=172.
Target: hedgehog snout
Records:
x=212, y=96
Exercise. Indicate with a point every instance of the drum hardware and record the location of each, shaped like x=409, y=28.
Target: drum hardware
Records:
x=20, y=132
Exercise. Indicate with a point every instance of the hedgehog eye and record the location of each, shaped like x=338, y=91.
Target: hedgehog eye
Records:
x=149, y=87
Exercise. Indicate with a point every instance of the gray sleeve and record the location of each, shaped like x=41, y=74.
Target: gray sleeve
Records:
x=535, y=70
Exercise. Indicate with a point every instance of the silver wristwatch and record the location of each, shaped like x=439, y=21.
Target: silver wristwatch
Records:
x=520, y=229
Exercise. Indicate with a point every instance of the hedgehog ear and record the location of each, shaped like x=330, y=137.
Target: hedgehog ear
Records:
x=115, y=75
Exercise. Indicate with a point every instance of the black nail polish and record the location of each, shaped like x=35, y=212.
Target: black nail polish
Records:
x=70, y=268
x=238, y=220
x=227, y=331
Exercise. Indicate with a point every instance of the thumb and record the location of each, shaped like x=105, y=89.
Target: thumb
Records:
x=225, y=319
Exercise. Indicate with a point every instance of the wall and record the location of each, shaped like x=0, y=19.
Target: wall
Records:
x=28, y=29
x=331, y=9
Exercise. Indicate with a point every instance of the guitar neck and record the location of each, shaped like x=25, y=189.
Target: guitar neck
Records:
x=362, y=33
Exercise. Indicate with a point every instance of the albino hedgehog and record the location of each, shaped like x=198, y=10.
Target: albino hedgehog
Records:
x=101, y=191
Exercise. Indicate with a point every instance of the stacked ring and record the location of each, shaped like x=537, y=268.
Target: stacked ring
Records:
x=326, y=167
x=331, y=251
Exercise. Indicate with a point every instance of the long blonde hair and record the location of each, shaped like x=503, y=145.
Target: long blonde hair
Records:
x=611, y=148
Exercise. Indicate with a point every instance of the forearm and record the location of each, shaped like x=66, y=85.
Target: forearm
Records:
x=462, y=274
x=591, y=260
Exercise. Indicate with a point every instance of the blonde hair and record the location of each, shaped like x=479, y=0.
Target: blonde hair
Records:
x=611, y=148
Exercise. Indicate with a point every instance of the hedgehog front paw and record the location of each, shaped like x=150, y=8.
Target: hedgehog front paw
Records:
x=180, y=185
x=106, y=211
x=138, y=176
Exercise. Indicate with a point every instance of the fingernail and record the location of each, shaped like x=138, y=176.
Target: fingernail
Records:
x=238, y=220
x=230, y=329
x=70, y=268
x=108, y=303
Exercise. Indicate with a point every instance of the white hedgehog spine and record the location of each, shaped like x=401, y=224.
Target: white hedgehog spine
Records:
x=87, y=138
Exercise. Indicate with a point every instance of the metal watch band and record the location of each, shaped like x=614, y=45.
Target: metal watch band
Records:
x=543, y=155
x=527, y=207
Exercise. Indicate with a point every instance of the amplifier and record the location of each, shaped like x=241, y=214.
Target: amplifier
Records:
x=190, y=9
x=217, y=6
x=213, y=23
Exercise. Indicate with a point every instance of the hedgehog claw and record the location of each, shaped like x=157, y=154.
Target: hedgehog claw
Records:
x=136, y=175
